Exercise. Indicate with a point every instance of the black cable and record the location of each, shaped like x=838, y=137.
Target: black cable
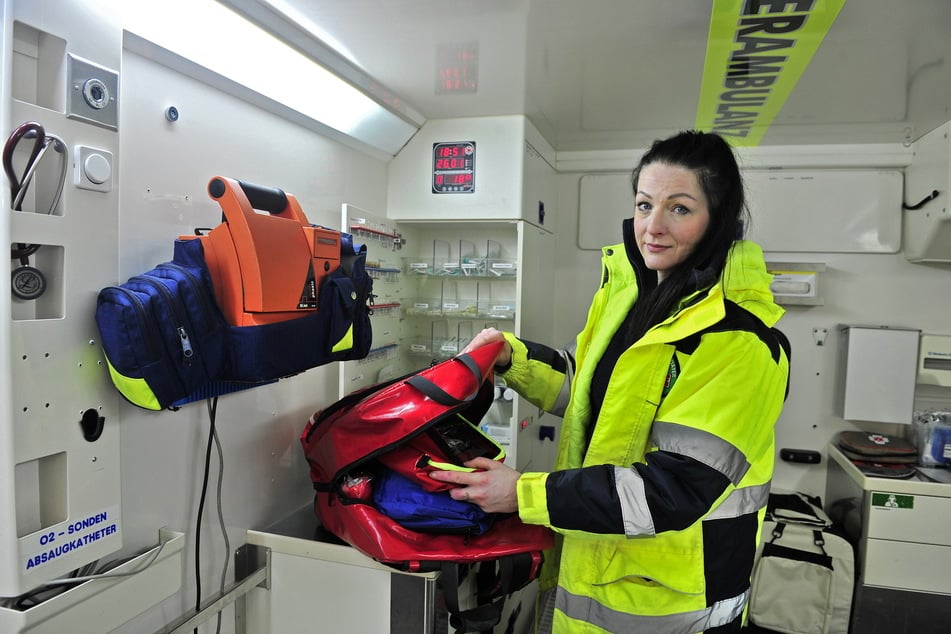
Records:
x=221, y=523
x=921, y=203
x=89, y=572
x=212, y=408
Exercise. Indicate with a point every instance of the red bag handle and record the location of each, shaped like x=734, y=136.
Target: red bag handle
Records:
x=440, y=395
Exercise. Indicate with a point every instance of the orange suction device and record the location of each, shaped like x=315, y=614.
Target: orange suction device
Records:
x=266, y=260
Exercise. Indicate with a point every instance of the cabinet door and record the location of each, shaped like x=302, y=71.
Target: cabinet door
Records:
x=905, y=517
x=536, y=432
x=907, y=566
x=436, y=285
x=458, y=278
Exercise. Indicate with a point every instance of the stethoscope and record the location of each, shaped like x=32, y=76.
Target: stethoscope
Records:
x=28, y=281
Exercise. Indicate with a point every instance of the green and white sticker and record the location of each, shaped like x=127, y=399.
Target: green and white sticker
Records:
x=893, y=501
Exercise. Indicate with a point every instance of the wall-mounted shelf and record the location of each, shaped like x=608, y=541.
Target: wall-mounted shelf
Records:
x=382, y=233
x=796, y=283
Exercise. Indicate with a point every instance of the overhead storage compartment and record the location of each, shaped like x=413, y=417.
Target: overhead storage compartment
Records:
x=855, y=210
x=503, y=170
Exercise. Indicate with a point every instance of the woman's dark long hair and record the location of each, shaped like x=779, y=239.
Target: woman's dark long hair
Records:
x=711, y=158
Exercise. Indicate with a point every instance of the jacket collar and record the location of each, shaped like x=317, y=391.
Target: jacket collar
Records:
x=744, y=279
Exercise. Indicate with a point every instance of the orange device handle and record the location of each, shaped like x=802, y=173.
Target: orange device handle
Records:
x=270, y=199
x=274, y=257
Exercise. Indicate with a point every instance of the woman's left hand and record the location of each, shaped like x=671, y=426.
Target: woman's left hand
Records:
x=491, y=486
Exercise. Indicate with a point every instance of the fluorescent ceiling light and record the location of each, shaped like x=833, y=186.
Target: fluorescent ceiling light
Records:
x=290, y=13
x=214, y=37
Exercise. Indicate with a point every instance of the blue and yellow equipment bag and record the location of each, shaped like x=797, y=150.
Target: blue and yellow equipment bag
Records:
x=168, y=339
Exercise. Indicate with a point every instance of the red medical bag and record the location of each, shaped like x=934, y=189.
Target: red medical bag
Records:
x=409, y=425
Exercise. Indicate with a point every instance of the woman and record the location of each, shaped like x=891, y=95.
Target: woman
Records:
x=669, y=401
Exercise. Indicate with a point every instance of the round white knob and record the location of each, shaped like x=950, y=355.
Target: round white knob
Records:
x=97, y=168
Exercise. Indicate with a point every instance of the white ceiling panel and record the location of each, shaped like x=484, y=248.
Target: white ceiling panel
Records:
x=611, y=74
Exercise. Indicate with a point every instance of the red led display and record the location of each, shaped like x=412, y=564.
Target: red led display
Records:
x=453, y=164
x=454, y=168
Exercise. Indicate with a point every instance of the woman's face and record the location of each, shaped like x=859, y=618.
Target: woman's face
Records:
x=670, y=215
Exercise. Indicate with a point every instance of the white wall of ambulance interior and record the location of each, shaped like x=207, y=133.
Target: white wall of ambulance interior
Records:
x=145, y=472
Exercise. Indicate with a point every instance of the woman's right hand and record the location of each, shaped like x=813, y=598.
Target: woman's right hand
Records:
x=487, y=336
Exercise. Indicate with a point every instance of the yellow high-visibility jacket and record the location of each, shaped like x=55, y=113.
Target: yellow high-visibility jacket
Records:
x=659, y=513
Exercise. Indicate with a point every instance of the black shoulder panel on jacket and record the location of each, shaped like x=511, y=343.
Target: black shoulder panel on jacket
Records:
x=738, y=318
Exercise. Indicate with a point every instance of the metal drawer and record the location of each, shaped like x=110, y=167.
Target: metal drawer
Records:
x=923, y=519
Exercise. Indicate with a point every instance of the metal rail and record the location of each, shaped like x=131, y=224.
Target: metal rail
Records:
x=246, y=579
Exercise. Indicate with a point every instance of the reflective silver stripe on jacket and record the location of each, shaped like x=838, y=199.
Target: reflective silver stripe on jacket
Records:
x=741, y=502
x=637, y=518
x=630, y=489
x=590, y=611
x=702, y=446
x=561, y=401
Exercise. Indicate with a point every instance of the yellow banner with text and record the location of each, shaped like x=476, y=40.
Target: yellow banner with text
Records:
x=756, y=52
